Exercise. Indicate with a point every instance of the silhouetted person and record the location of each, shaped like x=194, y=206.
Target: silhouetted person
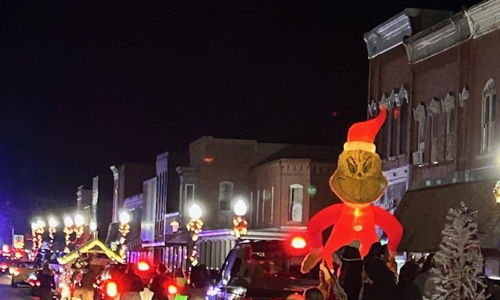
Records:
x=132, y=285
x=47, y=283
x=379, y=280
x=350, y=272
x=406, y=286
x=159, y=283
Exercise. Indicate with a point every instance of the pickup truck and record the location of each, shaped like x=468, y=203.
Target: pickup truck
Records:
x=262, y=270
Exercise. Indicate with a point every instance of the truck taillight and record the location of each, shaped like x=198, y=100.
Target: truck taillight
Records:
x=111, y=289
x=172, y=289
x=143, y=266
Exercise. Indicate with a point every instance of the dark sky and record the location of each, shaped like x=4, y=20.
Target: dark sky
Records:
x=87, y=84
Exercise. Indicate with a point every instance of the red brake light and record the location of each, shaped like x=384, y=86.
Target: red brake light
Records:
x=111, y=289
x=172, y=289
x=143, y=266
x=298, y=242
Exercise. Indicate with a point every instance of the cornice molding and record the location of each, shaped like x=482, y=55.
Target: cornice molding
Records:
x=484, y=18
x=437, y=38
x=388, y=34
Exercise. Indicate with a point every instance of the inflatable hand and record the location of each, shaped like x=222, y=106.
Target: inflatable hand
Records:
x=311, y=259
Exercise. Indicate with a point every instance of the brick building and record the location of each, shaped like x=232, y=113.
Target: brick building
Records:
x=439, y=83
x=283, y=185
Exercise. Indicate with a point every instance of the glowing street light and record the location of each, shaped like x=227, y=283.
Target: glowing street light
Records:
x=240, y=223
x=240, y=207
x=124, y=217
x=124, y=228
x=194, y=226
x=79, y=221
x=68, y=221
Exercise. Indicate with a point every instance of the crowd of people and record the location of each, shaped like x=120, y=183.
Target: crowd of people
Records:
x=374, y=277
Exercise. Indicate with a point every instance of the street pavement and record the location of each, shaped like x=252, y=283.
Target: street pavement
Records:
x=9, y=293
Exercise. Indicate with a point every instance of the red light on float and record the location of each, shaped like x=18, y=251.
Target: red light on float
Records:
x=111, y=289
x=172, y=289
x=298, y=242
x=143, y=266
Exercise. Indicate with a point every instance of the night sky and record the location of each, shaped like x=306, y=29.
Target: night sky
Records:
x=85, y=84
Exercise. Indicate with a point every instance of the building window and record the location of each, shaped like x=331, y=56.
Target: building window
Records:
x=225, y=195
x=419, y=115
x=295, y=202
x=450, y=126
x=403, y=119
x=437, y=131
x=187, y=194
x=488, y=116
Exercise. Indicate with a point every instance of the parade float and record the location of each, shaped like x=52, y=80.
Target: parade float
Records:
x=358, y=182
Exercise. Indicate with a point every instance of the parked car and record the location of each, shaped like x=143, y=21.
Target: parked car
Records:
x=4, y=265
x=20, y=272
x=262, y=270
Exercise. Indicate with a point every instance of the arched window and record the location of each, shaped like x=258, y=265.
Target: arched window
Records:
x=225, y=195
x=295, y=202
x=488, y=116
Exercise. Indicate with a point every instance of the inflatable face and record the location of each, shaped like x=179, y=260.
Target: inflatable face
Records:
x=358, y=179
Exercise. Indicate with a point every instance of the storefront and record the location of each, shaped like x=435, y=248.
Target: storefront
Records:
x=423, y=216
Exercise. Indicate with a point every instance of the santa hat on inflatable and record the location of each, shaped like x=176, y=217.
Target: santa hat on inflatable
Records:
x=362, y=134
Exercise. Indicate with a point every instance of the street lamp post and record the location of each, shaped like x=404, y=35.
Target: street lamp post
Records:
x=68, y=230
x=52, y=230
x=40, y=229
x=240, y=223
x=124, y=229
x=194, y=226
x=34, y=238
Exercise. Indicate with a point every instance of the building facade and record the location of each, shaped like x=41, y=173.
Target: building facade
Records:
x=439, y=83
x=282, y=184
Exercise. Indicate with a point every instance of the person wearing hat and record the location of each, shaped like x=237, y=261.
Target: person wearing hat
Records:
x=350, y=272
x=358, y=181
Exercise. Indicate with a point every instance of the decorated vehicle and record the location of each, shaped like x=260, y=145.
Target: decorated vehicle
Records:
x=93, y=255
x=20, y=272
x=265, y=270
x=4, y=265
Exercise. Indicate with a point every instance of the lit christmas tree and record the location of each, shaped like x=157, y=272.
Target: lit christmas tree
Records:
x=458, y=274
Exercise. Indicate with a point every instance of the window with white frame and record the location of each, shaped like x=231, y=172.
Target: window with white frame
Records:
x=296, y=199
x=225, y=195
x=419, y=115
x=188, y=194
x=450, y=126
x=488, y=116
x=437, y=131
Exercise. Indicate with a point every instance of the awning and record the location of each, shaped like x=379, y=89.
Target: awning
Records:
x=423, y=214
x=94, y=246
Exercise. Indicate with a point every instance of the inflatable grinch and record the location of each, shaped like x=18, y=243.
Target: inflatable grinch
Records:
x=358, y=181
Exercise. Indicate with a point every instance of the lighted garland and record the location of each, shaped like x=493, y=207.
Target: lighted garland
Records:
x=194, y=226
x=240, y=226
x=124, y=229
